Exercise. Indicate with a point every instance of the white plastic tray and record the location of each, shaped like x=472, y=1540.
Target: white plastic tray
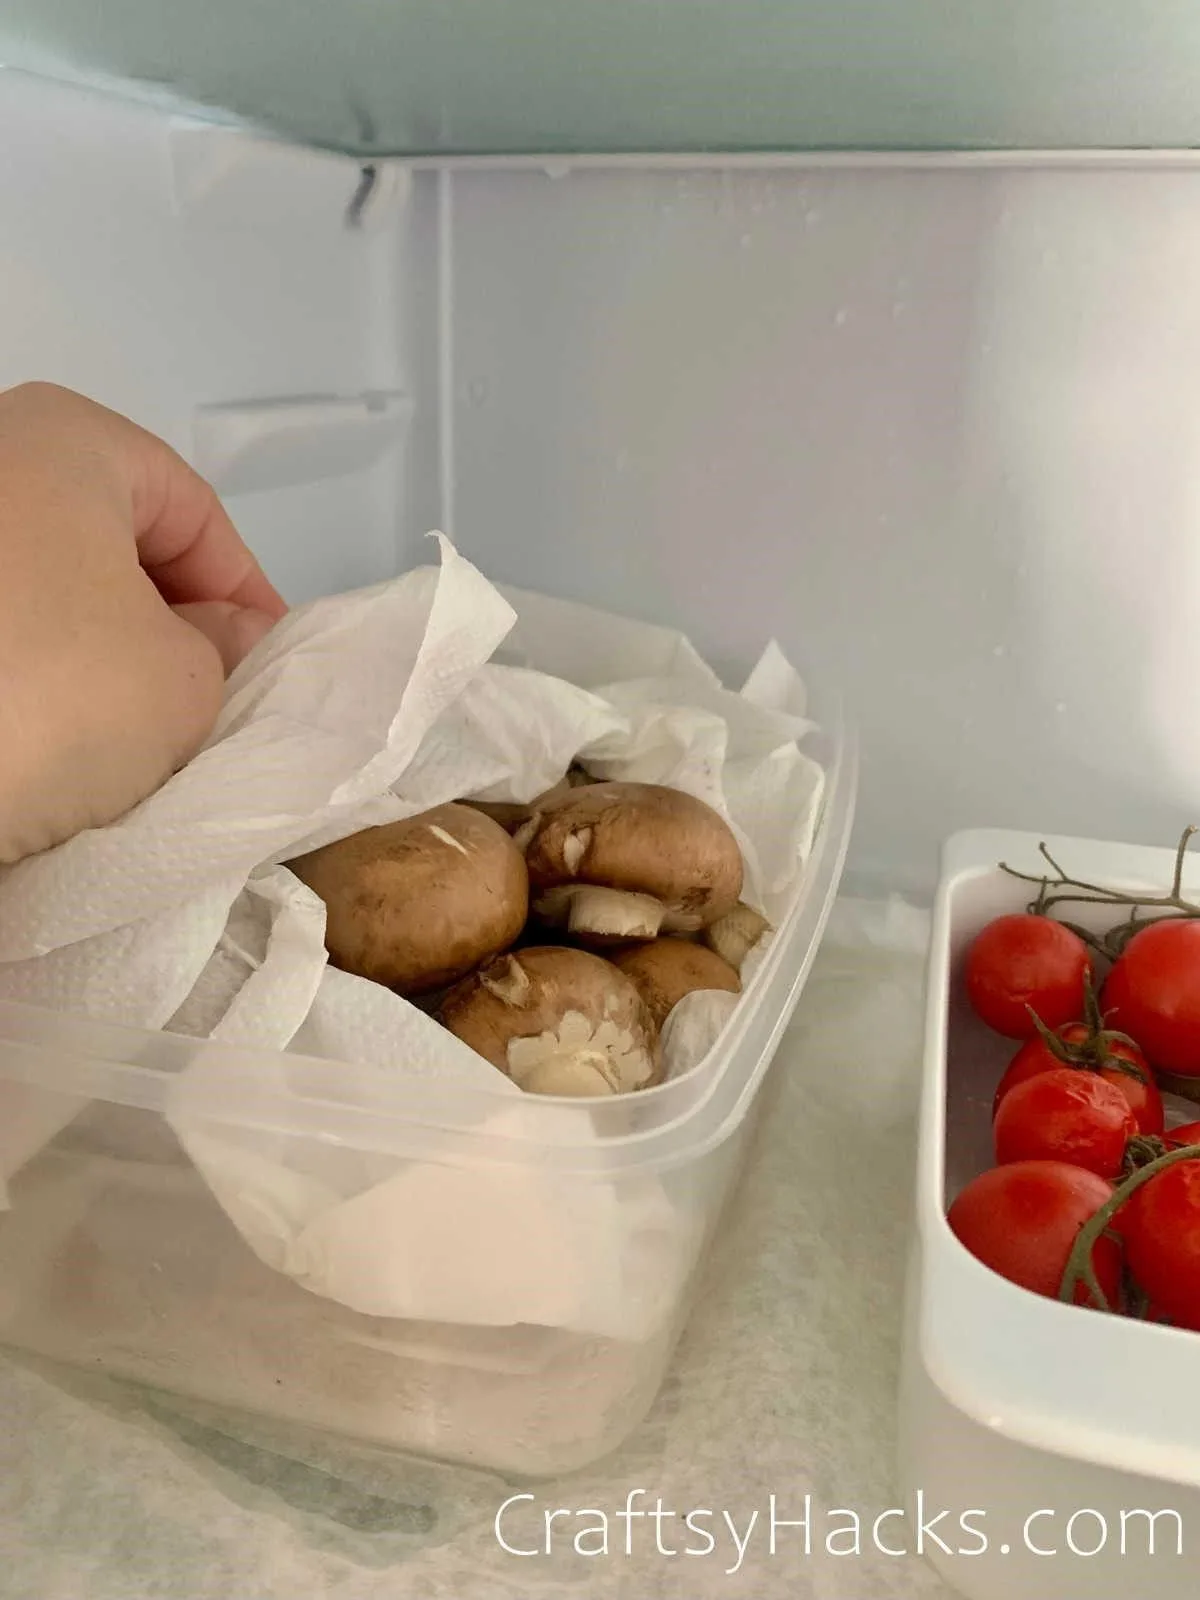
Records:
x=1012, y=1404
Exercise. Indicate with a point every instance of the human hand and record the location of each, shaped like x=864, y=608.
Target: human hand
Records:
x=126, y=595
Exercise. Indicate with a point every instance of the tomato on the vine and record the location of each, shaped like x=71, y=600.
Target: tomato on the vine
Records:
x=1115, y=1060
x=1153, y=993
x=1022, y=1220
x=1160, y=1223
x=1186, y=1133
x=1023, y=962
x=1065, y=1115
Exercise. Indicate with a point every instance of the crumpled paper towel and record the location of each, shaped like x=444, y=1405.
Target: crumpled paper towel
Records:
x=359, y=710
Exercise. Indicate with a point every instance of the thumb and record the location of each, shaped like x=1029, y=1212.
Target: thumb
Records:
x=234, y=630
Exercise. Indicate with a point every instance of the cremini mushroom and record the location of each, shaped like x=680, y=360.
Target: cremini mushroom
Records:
x=417, y=904
x=664, y=970
x=621, y=861
x=734, y=935
x=558, y=1022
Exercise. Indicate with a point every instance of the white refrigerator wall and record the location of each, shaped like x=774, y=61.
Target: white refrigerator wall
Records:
x=937, y=430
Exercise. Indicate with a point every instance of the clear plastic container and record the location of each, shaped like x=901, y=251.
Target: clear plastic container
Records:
x=115, y=1255
x=1027, y=1412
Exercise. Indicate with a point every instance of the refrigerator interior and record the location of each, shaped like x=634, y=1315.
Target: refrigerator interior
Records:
x=932, y=425
x=927, y=419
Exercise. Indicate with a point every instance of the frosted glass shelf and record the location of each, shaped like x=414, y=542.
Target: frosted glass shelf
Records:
x=498, y=77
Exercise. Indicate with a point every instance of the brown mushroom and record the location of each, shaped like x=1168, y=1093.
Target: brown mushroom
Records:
x=557, y=1021
x=620, y=861
x=665, y=970
x=734, y=935
x=417, y=904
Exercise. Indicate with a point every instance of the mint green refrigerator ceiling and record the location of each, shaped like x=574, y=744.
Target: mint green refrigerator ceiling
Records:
x=437, y=77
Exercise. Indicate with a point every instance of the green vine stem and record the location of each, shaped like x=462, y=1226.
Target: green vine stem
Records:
x=1063, y=890
x=1144, y=1148
x=1096, y=1053
x=1079, y=1268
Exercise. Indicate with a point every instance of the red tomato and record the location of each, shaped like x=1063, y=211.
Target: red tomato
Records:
x=1035, y=1057
x=1022, y=961
x=1160, y=1224
x=1065, y=1115
x=1153, y=993
x=1021, y=1220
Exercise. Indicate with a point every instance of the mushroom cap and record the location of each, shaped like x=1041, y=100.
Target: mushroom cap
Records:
x=665, y=970
x=418, y=903
x=638, y=838
x=557, y=1021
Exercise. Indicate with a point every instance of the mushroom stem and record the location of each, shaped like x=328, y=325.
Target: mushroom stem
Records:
x=734, y=935
x=589, y=910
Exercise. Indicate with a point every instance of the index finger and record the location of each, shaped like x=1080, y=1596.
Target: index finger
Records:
x=186, y=541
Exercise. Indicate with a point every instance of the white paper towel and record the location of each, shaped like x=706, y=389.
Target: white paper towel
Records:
x=358, y=710
x=262, y=979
